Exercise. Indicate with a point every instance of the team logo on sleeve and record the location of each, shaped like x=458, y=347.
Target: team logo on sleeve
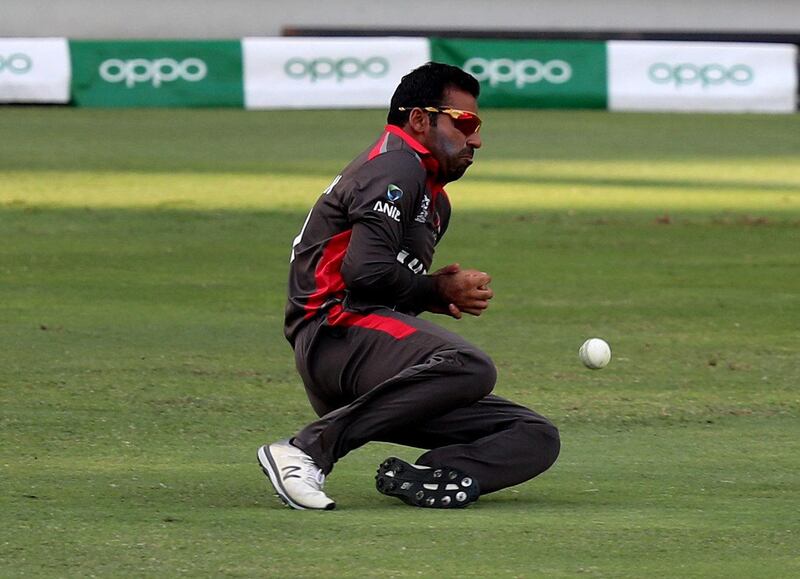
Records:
x=394, y=193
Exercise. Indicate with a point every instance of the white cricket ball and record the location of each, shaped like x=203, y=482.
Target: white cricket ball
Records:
x=595, y=353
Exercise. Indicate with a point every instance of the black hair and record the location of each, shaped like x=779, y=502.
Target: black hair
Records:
x=425, y=87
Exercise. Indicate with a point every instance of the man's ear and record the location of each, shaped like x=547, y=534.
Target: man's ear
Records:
x=418, y=120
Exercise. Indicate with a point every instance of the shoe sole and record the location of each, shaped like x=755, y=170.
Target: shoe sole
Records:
x=270, y=469
x=437, y=488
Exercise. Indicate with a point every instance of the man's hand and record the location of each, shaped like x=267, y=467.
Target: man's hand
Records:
x=462, y=291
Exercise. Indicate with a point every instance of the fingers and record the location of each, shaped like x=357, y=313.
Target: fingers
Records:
x=454, y=311
x=479, y=278
x=474, y=297
x=482, y=294
x=474, y=306
x=462, y=291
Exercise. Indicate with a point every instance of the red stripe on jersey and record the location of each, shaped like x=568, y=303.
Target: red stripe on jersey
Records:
x=328, y=275
x=395, y=328
x=435, y=189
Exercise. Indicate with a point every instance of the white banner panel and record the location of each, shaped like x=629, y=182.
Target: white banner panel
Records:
x=34, y=70
x=305, y=73
x=702, y=76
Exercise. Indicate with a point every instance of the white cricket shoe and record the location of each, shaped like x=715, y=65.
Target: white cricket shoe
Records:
x=296, y=478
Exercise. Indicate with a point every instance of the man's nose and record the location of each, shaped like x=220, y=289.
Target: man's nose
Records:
x=474, y=141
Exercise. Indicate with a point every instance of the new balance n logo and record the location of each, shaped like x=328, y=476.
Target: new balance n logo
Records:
x=289, y=472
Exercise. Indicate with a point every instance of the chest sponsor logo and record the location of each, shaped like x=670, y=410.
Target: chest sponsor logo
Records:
x=388, y=209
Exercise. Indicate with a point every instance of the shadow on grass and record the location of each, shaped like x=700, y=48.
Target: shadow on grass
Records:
x=642, y=183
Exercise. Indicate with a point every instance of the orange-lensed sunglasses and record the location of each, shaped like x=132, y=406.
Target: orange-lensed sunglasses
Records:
x=465, y=121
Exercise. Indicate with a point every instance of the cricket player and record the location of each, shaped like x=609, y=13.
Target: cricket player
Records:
x=374, y=371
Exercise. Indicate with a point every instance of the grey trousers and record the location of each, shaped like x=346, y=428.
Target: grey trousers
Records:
x=396, y=378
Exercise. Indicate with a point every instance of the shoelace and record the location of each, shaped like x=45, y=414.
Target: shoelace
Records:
x=313, y=474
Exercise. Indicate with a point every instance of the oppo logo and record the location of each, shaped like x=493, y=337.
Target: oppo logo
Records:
x=155, y=72
x=341, y=69
x=705, y=75
x=520, y=72
x=16, y=63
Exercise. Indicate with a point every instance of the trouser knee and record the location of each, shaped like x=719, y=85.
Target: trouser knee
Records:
x=552, y=445
x=547, y=445
x=479, y=372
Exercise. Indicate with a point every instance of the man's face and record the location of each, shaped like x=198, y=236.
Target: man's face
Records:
x=450, y=146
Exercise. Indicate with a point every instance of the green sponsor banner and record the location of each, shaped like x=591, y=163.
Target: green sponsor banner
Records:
x=524, y=73
x=164, y=73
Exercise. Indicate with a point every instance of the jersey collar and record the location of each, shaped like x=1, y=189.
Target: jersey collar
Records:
x=428, y=161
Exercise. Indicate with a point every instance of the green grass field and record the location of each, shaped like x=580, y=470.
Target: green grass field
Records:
x=142, y=276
